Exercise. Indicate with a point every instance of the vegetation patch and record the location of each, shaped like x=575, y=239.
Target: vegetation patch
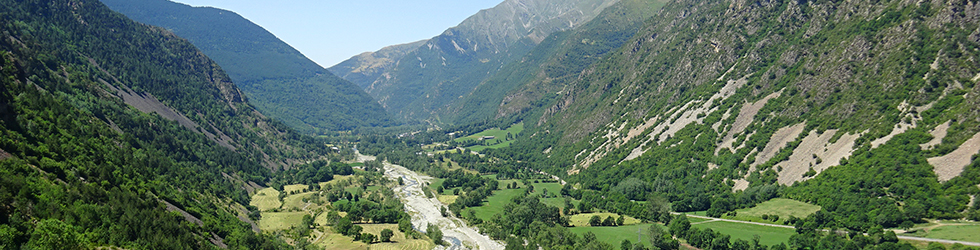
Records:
x=768, y=235
x=272, y=221
x=615, y=235
x=266, y=199
x=582, y=220
x=781, y=207
x=495, y=203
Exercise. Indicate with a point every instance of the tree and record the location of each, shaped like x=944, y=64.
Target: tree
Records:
x=343, y=226
x=658, y=208
x=54, y=234
x=621, y=220
x=404, y=225
x=679, y=226
x=626, y=245
x=609, y=222
x=367, y=238
x=355, y=231
x=386, y=235
x=595, y=221
x=434, y=233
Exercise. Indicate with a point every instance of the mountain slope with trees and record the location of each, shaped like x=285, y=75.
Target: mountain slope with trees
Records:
x=718, y=105
x=367, y=67
x=279, y=80
x=123, y=135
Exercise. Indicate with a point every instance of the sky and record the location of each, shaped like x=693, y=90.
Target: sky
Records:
x=330, y=31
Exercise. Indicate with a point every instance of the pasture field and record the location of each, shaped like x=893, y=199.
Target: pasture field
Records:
x=399, y=241
x=768, y=235
x=582, y=220
x=295, y=201
x=272, y=221
x=495, y=203
x=294, y=187
x=266, y=199
x=947, y=230
x=615, y=235
x=500, y=137
x=784, y=208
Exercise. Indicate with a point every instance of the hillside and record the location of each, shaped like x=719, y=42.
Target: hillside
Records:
x=527, y=84
x=366, y=67
x=278, y=79
x=718, y=105
x=116, y=134
x=452, y=64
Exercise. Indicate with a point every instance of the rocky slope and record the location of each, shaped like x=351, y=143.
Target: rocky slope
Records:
x=825, y=97
x=363, y=69
x=452, y=64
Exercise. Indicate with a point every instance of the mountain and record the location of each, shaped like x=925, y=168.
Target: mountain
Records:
x=278, y=79
x=452, y=64
x=363, y=69
x=116, y=134
x=533, y=80
x=868, y=109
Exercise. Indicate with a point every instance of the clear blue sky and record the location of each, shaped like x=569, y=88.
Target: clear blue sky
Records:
x=330, y=31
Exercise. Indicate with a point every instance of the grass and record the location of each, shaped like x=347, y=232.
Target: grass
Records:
x=784, y=208
x=582, y=220
x=295, y=201
x=500, y=137
x=399, y=241
x=948, y=230
x=768, y=235
x=272, y=221
x=447, y=199
x=615, y=235
x=266, y=199
x=495, y=203
x=294, y=187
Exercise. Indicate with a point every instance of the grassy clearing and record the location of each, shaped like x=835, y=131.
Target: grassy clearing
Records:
x=784, y=208
x=768, y=235
x=582, y=220
x=266, y=199
x=272, y=221
x=948, y=230
x=336, y=179
x=295, y=201
x=399, y=241
x=615, y=235
x=294, y=187
x=495, y=203
x=500, y=137
x=447, y=199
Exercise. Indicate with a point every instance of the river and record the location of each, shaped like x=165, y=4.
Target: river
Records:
x=425, y=211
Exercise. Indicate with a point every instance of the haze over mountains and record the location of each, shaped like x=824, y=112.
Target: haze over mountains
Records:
x=278, y=79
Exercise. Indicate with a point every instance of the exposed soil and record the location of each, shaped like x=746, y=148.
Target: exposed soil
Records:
x=744, y=118
x=777, y=142
x=827, y=154
x=951, y=165
x=938, y=134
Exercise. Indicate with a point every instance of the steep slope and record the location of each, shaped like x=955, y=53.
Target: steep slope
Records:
x=278, y=79
x=534, y=80
x=122, y=135
x=452, y=64
x=363, y=69
x=819, y=98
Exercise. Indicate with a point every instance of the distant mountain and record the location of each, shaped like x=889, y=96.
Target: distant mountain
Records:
x=365, y=68
x=277, y=78
x=451, y=65
x=116, y=134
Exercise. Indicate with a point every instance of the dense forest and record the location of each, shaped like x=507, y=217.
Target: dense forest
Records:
x=82, y=168
x=279, y=80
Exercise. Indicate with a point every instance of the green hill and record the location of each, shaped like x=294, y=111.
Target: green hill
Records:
x=116, y=134
x=277, y=78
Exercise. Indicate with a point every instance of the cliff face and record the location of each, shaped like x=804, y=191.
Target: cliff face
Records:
x=363, y=69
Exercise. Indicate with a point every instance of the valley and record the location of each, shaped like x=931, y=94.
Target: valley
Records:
x=535, y=124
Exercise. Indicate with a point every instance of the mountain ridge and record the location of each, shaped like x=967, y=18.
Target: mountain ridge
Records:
x=280, y=81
